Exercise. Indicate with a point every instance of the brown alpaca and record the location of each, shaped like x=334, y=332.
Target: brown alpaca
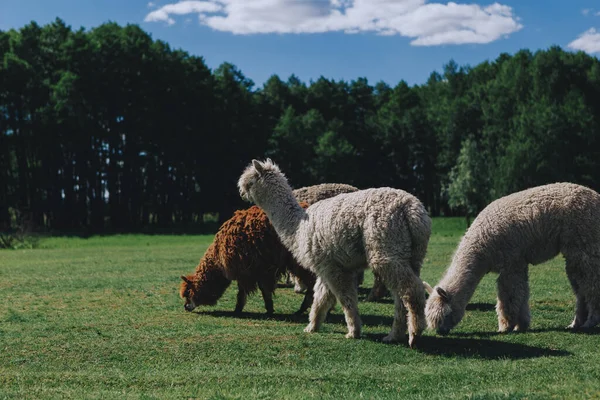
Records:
x=245, y=249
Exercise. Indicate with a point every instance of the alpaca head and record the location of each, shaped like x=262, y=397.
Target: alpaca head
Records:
x=205, y=291
x=259, y=179
x=441, y=315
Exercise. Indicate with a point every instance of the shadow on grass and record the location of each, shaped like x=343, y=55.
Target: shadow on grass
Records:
x=481, y=307
x=592, y=331
x=455, y=346
x=339, y=319
x=483, y=348
x=477, y=348
x=254, y=315
x=367, y=320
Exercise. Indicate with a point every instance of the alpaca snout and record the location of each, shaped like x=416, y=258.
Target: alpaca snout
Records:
x=189, y=307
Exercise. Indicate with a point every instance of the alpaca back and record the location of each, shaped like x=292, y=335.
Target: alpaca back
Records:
x=535, y=224
x=312, y=194
x=248, y=246
x=345, y=228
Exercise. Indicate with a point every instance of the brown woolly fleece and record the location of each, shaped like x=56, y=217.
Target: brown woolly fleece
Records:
x=245, y=249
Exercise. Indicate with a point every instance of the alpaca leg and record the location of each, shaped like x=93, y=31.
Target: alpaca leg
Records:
x=308, y=298
x=343, y=286
x=360, y=278
x=593, y=294
x=378, y=290
x=398, y=332
x=593, y=316
x=409, y=294
x=322, y=302
x=588, y=279
x=267, y=289
x=513, y=300
x=581, y=310
x=299, y=286
x=242, y=295
x=289, y=279
x=414, y=301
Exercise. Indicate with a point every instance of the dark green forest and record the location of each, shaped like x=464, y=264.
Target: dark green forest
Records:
x=108, y=130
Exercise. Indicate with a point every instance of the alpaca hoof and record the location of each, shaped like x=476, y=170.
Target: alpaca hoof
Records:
x=521, y=328
x=505, y=328
x=388, y=339
x=352, y=335
x=392, y=338
x=575, y=325
x=412, y=341
x=310, y=329
x=588, y=325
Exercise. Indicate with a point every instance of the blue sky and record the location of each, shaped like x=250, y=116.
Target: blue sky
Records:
x=386, y=40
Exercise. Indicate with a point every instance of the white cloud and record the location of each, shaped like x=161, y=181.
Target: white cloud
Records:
x=427, y=24
x=590, y=11
x=151, y=4
x=588, y=41
x=182, y=8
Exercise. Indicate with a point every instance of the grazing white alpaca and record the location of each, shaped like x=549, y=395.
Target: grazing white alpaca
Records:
x=385, y=229
x=527, y=227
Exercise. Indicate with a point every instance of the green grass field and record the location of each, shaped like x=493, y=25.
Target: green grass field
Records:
x=101, y=318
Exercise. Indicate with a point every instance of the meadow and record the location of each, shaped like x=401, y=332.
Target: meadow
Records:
x=101, y=318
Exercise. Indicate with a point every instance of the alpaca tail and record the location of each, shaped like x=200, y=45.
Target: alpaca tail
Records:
x=419, y=225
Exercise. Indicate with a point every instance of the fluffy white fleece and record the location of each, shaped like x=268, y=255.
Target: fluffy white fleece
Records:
x=385, y=229
x=527, y=227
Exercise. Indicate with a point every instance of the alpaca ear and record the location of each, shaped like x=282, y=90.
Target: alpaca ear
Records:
x=258, y=167
x=443, y=294
x=185, y=279
x=428, y=287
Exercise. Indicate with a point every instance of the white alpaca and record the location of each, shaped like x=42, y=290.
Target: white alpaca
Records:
x=527, y=227
x=385, y=229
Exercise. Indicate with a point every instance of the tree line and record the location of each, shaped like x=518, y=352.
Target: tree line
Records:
x=108, y=130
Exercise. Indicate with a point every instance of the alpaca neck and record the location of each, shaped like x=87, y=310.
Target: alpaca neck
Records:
x=208, y=269
x=285, y=214
x=209, y=278
x=461, y=280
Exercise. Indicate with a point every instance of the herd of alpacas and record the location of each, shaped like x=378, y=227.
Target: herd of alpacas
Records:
x=325, y=236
